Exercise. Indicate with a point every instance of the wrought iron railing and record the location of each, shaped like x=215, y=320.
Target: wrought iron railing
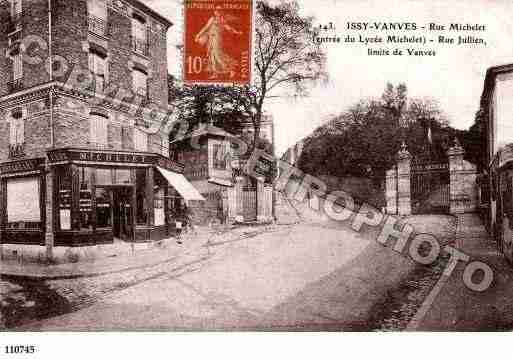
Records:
x=16, y=150
x=15, y=85
x=97, y=25
x=140, y=46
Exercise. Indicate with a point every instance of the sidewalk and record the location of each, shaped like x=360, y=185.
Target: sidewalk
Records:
x=170, y=251
x=457, y=308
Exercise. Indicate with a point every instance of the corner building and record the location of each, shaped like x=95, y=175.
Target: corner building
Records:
x=76, y=168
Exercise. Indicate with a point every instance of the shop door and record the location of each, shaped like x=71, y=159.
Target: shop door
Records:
x=122, y=213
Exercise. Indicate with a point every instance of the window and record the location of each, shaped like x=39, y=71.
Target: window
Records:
x=158, y=205
x=16, y=134
x=125, y=138
x=17, y=66
x=99, y=130
x=140, y=140
x=140, y=82
x=104, y=177
x=17, y=71
x=23, y=209
x=86, y=195
x=140, y=191
x=98, y=68
x=64, y=197
x=219, y=150
x=103, y=208
x=16, y=9
x=97, y=10
x=139, y=35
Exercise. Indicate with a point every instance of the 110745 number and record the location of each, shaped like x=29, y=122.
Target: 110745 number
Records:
x=19, y=349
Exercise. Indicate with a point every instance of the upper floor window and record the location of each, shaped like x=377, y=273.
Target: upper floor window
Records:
x=139, y=35
x=17, y=71
x=140, y=82
x=17, y=66
x=97, y=12
x=16, y=133
x=99, y=130
x=140, y=140
x=16, y=9
x=98, y=68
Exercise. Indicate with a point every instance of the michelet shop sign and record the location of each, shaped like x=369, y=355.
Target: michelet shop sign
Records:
x=115, y=157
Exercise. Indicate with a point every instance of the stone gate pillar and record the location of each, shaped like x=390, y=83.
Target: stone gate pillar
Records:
x=239, y=199
x=391, y=190
x=404, y=181
x=463, y=186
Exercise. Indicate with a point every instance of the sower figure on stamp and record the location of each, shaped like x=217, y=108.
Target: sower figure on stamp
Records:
x=211, y=36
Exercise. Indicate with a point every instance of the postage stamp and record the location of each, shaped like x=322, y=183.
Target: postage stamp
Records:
x=218, y=42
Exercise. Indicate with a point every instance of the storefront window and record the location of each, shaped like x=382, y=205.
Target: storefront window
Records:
x=23, y=211
x=123, y=176
x=104, y=176
x=86, y=195
x=140, y=185
x=158, y=205
x=103, y=208
x=64, y=198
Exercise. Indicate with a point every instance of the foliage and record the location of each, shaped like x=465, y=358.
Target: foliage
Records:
x=364, y=140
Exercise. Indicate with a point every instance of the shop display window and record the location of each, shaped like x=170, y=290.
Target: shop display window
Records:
x=86, y=198
x=140, y=188
x=103, y=208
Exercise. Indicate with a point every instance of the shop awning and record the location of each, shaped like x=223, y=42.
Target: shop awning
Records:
x=182, y=186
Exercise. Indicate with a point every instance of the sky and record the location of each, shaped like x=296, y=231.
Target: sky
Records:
x=454, y=77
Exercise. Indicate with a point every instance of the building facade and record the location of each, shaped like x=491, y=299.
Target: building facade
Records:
x=82, y=160
x=496, y=180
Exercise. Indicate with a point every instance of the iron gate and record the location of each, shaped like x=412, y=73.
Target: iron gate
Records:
x=249, y=200
x=430, y=187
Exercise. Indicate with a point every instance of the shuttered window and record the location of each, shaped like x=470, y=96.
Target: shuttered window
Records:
x=17, y=131
x=139, y=30
x=23, y=200
x=140, y=82
x=99, y=69
x=99, y=130
x=17, y=66
x=140, y=140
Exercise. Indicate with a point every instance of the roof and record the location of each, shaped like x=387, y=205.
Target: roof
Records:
x=144, y=8
x=205, y=130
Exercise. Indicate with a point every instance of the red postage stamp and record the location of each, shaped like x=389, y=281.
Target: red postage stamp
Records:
x=218, y=37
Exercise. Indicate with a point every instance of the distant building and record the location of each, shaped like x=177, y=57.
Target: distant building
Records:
x=213, y=166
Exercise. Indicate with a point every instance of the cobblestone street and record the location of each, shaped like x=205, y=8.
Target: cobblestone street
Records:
x=303, y=277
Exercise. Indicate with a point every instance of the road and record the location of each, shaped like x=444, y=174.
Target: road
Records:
x=311, y=276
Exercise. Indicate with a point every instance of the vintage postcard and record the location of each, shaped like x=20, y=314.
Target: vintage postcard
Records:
x=254, y=166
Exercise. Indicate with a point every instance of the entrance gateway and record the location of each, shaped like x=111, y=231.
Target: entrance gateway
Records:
x=430, y=187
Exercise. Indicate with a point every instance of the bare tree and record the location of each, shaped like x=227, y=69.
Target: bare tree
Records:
x=287, y=58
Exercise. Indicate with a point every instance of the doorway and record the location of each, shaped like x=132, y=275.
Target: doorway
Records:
x=122, y=212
